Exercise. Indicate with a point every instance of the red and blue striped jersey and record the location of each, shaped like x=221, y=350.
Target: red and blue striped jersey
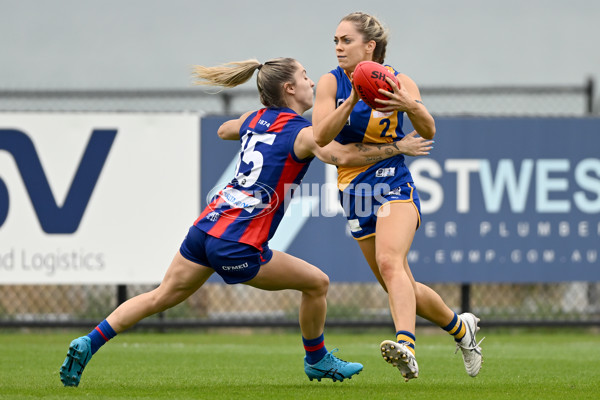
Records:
x=251, y=206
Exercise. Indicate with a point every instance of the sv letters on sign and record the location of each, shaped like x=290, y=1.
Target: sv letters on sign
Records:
x=54, y=219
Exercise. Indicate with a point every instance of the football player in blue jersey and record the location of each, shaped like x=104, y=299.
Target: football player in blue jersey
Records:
x=231, y=235
x=385, y=236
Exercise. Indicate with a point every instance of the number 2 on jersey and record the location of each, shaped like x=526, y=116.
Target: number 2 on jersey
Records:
x=386, y=126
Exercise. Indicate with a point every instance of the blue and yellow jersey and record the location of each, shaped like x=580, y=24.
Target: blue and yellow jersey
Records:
x=251, y=206
x=366, y=125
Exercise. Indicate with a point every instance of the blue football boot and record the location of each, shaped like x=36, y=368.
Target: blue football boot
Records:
x=79, y=354
x=331, y=367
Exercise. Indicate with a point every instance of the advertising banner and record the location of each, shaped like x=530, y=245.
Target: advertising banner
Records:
x=95, y=198
x=503, y=200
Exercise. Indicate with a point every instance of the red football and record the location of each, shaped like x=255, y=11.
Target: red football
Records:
x=368, y=77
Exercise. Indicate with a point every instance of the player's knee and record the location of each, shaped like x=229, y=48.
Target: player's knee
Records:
x=389, y=266
x=320, y=285
x=324, y=282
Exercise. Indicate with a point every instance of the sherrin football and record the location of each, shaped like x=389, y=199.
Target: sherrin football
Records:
x=369, y=76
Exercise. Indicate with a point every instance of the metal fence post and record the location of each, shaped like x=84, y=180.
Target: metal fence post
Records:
x=226, y=103
x=465, y=297
x=589, y=92
x=121, y=294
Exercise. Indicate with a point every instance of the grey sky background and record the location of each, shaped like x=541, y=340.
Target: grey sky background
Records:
x=153, y=44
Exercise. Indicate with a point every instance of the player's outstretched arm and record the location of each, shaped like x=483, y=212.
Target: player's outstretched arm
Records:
x=230, y=130
x=359, y=154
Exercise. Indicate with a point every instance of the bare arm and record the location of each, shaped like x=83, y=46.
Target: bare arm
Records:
x=359, y=154
x=328, y=120
x=230, y=130
x=407, y=98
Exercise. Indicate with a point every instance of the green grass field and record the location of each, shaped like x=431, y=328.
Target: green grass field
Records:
x=538, y=364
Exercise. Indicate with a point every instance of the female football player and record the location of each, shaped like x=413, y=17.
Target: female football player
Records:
x=231, y=236
x=385, y=236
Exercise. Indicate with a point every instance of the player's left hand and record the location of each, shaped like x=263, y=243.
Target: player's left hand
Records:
x=413, y=145
x=399, y=99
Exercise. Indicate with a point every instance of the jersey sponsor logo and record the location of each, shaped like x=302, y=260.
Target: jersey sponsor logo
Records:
x=237, y=199
x=234, y=267
x=263, y=198
x=383, y=172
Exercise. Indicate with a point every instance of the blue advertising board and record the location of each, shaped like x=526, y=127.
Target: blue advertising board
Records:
x=503, y=200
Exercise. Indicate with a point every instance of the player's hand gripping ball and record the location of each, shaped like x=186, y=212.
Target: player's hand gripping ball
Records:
x=369, y=76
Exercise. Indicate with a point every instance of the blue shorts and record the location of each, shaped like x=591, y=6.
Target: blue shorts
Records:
x=235, y=262
x=361, y=211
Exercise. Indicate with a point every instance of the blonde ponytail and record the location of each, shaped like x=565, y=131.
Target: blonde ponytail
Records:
x=273, y=74
x=227, y=75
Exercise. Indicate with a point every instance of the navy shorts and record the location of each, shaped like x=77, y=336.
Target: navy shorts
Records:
x=361, y=211
x=235, y=262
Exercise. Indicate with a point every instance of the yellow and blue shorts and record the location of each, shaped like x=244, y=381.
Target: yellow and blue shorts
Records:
x=361, y=211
